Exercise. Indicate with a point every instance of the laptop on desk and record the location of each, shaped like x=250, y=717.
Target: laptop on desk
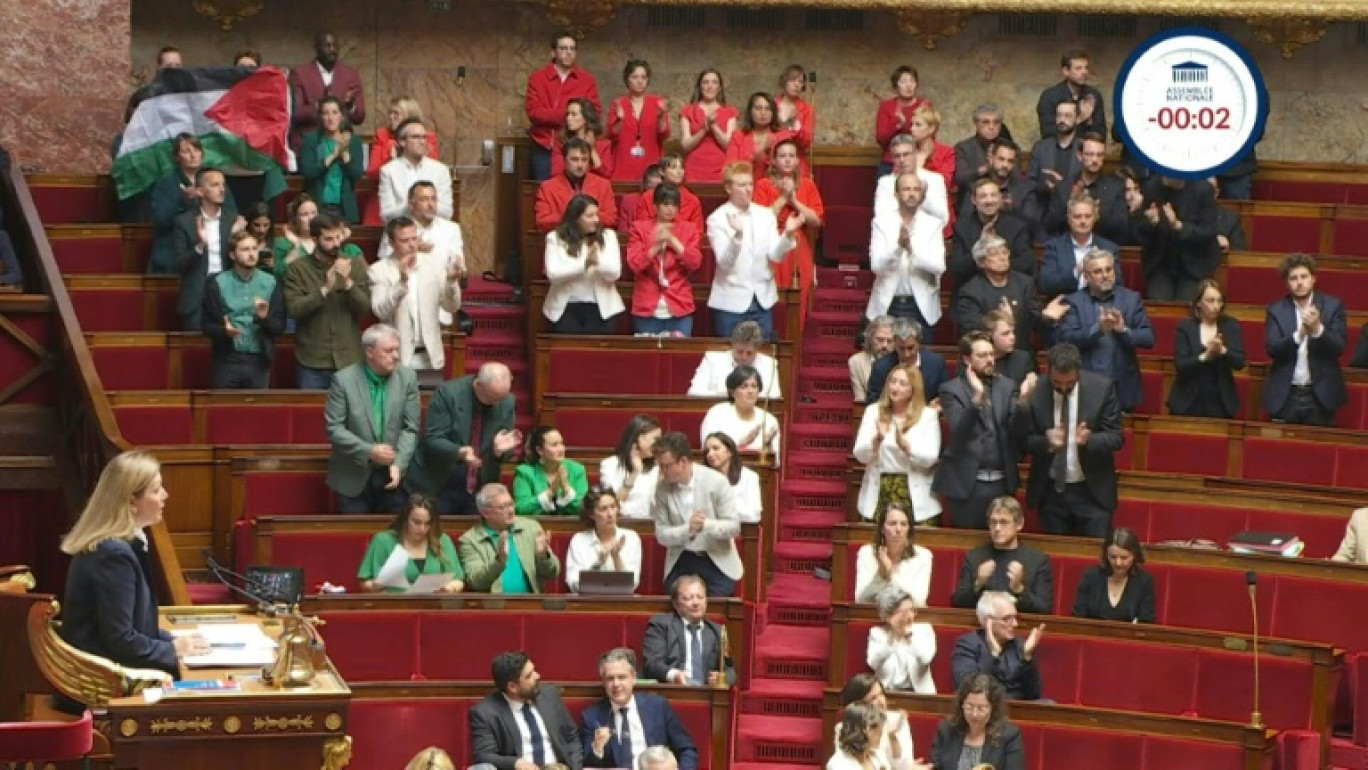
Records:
x=602, y=582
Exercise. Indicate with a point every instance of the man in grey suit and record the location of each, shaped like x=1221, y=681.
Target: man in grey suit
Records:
x=469, y=432
x=695, y=518
x=684, y=647
x=980, y=460
x=371, y=417
x=200, y=244
x=522, y=725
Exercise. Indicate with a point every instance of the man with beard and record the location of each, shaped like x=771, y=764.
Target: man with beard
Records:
x=971, y=155
x=1107, y=323
x=979, y=463
x=907, y=256
x=244, y=310
x=1305, y=333
x=522, y=725
x=324, y=76
x=327, y=294
x=1106, y=189
x=617, y=730
x=1055, y=158
x=988, y=218
x=553, y=195
x=200, y=239
x=878, y=338
x=1074, y=88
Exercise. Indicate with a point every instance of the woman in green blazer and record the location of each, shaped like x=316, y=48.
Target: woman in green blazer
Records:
x=418, y=532
x=331, y=160
x=547, y=484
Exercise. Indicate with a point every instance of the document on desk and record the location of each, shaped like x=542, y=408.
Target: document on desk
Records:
x=394, y=574
x=430, y=584
x=234, y=645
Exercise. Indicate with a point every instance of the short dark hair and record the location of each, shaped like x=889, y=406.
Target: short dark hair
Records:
x=331, y=100
x=247, y=53
x=205, y=171
x=421, y=183
x=966, y=342
x=1064, y=357
x=556, y=37
x=324, y=220
x=1000, y=142
x=1121, y=537
x=1294, y=261
x=164, y=51
x=686, y=578
x=393, y=226
x=904, y=70
x=666, y=193
x=405, y=123
x=1092, y=136
x=1068, y=58
x=507, y=667
x=674, y=442
x=652, y=171
x=185, y=138
x=575, y=143
x=738, y=377
x=858, y=688
x=631, y=66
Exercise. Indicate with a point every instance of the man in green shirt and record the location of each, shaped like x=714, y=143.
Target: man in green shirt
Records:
x=327, y=294
x=505, y=553
x=244, y=310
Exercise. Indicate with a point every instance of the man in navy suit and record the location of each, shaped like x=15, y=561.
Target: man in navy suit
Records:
x=1304, y=334
x=1061, y=267
x=618, y=729
x=1107, y=323
x=907, y=346
x=522, y=725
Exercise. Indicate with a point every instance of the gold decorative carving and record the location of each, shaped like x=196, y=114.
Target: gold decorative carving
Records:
x=128, y=728
x=337, y=752
x=1328, y=10
x=1289, y=34
x=195, y=725
x=931, y=26
x=231, y=724
x=228, y=12
x=580, y=17
x=296, y=722
x=332, y=721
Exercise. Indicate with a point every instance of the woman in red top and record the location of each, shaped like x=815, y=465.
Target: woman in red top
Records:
x=661, y=254
x=582, y=120
x=638, y=124
x=895, y=115
x=690, y=208
x=793, y=112
x=385, y=148
x=706, y=126
x=759, y=134
x=934, y=156
x=787, y=192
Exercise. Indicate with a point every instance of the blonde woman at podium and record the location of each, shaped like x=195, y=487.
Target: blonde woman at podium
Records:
x=412, y=555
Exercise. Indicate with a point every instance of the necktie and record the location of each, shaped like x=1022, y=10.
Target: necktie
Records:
x=697, y=673
x=1061, y=458
x=476, y=429
x=625, y=739
x=534, y=732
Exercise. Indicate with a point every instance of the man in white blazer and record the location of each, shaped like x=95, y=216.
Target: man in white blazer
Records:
x=907, y=255
x=710, y=379
x=745, y=239
x=438, y=237
x=412, y=165
x=935, y=198
x=408, y=289
x=695, y=517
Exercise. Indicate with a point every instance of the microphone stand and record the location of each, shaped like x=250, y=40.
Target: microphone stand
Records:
x=1252, y=579
x=252, y=590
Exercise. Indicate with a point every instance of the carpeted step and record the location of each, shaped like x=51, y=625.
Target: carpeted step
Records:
x=811, y=526
x=842, y=327
x=479, y=291
x=845, y=278
x=815, y=466
x=485, y=346
x=812, y=497
x=830, y=410
x=800, y=557
x=783, y=698
x=508, y=319
x=843, y=302
x=772, y=766
x=827, y=358
x=779, y=739
x=817, y=437
x=798, y=600
x=784, y=651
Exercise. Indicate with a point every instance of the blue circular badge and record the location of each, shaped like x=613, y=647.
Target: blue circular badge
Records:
x=1190, y=103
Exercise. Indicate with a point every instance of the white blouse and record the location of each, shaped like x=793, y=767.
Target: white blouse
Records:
x=637, y=503
x=912, y=575
x=918, y=461
x=585, y=554
x=749, y=504
x=895, y=725
x=903, y=664
x=722, y=418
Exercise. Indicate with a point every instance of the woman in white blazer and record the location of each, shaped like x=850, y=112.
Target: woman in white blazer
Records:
x=895, y=748
x=857, y=739
x=894, y=559
x=907, y=256
x=719, y=451
x=408, y=290
x=583, y=263
x=901, y=650
x=899, y=443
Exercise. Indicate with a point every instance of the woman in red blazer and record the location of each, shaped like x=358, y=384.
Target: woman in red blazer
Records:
x=759, y=134
x=690, y=207
x=895, y=114
x=638, y=124
x=706, y=126
x=385, y=148
x=661, y=254
x=793, y=112
x=582, y=120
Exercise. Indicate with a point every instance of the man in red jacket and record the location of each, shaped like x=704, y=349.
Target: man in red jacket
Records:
x=323, y=76
x=554, y=194
x=549, y=90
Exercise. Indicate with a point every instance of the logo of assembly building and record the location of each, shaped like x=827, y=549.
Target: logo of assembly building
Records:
x=1189, y=72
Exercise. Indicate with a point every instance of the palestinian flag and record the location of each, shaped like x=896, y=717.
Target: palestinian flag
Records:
x=241, y=116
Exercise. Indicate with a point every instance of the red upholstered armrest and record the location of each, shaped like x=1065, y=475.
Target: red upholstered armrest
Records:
x=387, y=733
x=40, y=742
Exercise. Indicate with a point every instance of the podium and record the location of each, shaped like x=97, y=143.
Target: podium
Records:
x=256, y=726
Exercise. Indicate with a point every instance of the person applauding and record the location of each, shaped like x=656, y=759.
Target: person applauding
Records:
x=900, y=651
x=752, y=428
x=893, y=559
x=548, y=483
x=583, y=263
x=899, y=443
x=631, y=471
x=582, y=121
x=638, y=124
x=706, y=126
x=661, y=254
x=426, y=548
x=604, y=545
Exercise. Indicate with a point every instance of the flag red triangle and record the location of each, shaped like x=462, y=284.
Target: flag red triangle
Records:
x=257, y=109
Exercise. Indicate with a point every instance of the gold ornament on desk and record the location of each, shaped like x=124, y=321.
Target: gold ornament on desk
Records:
x=723, y=652
x=300, y=648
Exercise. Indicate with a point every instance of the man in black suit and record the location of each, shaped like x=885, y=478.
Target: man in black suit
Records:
x=997, y=651
x=684, y=647
x=1072, y=431
x=980, y=461
x=1074, y=88
x=200, y=239
x=1176, y=225
x=522, y=725
x=1004, y=564
x=907, y=349
x=1055, y=157
x=1106, y=189
x=1304, y=333
x=987, y=217
x=971, y=155
x=997, y=285
x=617, y=730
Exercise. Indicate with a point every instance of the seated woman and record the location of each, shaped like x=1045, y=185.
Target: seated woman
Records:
x=426, y=550
x=690, y=207
x=706, y=127
x=977, y=730
x=752, y=428
x=895, y=748
x=583, y=264
x=893, y=559
x=604, y=545
x=582, y=120
x=631, y=470
x=899, y=443
x=384, y=147
x=900, y=651
x=1207, y=351
x=661, y=255
x=1117, y=588
x=109, y=608
x=759, y=135
x=857, y=741
x=548, y=483
x=720, y=453
x=331, y=160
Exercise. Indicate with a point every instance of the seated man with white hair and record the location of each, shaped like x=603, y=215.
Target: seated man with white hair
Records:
x=710, y=379
x=996, y=650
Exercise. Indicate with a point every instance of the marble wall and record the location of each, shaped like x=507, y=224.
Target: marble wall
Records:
x=63, y=80
x=405, y=47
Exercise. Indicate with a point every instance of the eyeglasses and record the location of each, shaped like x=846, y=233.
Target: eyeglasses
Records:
x=970, y=708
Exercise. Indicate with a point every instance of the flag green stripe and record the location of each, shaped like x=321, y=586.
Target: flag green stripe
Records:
x=135, y=171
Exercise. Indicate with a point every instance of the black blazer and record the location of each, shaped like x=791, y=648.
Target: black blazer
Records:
x=1192, y=250
x=496, y=740
x=1137, y=600
x=1006, y=754
x=448, y=429
x=1100, y=409
x=1360, y=357
x=1037, y=577
x=959, y=262
x=211, y=321
x=1191, y=373
x=959, y=464
x=1016, y=365
x=109, y=608
x=192, y=264
x=1322, y=354
x=978, y=296
x=662, y=647
x=1113, y=217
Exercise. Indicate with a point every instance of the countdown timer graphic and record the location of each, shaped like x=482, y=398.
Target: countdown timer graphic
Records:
x=1190, y=103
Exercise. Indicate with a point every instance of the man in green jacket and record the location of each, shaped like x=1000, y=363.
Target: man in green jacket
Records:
x=327, y=294
x=505, y=553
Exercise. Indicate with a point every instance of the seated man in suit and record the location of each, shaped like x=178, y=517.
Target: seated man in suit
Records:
x=1004, y=564
x=201, y=241
x=908, y=349
x=371, y=418
x=695, y=518
x=522, y=725
x=1072, y=431
x=710, y=379
x=1305, y=333
x=617, y=729
x=1107, y=323
x=1061, y=269
x=505, y=553
x=997, y=651
x=684, y=647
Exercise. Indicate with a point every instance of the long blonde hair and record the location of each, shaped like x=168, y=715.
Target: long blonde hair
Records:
x=431, y=758
x=108, y=514
x=408, y=107
x=915, y=404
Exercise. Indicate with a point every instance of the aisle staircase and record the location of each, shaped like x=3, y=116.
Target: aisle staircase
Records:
x=500, y=335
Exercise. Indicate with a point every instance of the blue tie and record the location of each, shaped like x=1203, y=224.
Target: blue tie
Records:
x=696, y=670
x=538, y=752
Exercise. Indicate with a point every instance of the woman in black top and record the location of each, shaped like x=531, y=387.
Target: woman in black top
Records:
x=977, y=731
x=1206, y=353
x=1118, y=588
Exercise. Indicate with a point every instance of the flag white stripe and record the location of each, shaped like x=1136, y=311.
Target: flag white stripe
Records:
x=163, y=117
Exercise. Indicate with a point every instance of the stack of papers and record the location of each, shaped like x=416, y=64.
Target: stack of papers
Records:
x=394, y=574
x=234, y=645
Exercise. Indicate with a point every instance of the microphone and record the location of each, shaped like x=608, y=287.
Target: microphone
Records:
x=1252, y=580
x=253, y=591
